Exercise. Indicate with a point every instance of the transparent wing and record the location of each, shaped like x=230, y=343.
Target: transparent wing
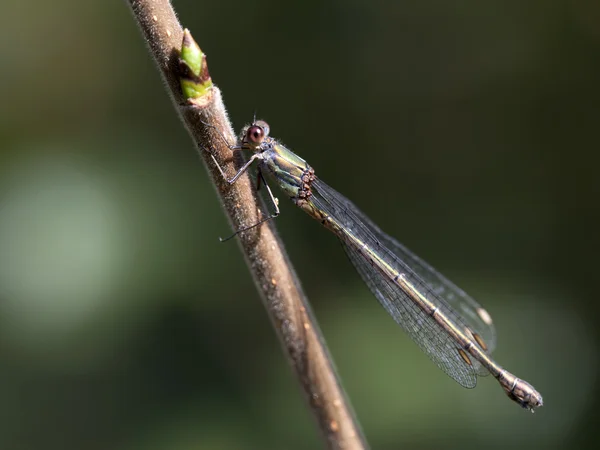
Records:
x=464, y=306
x=421, y=327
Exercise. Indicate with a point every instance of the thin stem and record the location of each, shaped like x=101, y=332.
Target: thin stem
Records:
x=273, y=275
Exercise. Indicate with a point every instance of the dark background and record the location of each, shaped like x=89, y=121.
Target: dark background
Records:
x=467, y=129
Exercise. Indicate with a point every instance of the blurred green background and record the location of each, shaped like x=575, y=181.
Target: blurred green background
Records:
x=467, y=129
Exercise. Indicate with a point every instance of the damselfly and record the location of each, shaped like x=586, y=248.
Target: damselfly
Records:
x=449, y=326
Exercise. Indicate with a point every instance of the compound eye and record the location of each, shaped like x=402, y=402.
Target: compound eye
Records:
x=255, y=134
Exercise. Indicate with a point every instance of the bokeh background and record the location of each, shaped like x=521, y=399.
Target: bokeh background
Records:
x=466, y=129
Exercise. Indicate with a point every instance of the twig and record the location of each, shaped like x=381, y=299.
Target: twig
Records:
x=273, y=275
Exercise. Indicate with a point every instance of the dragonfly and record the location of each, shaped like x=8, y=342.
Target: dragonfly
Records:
x=449, y=326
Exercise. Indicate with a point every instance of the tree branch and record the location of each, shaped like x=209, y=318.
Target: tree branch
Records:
x=274, y=277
